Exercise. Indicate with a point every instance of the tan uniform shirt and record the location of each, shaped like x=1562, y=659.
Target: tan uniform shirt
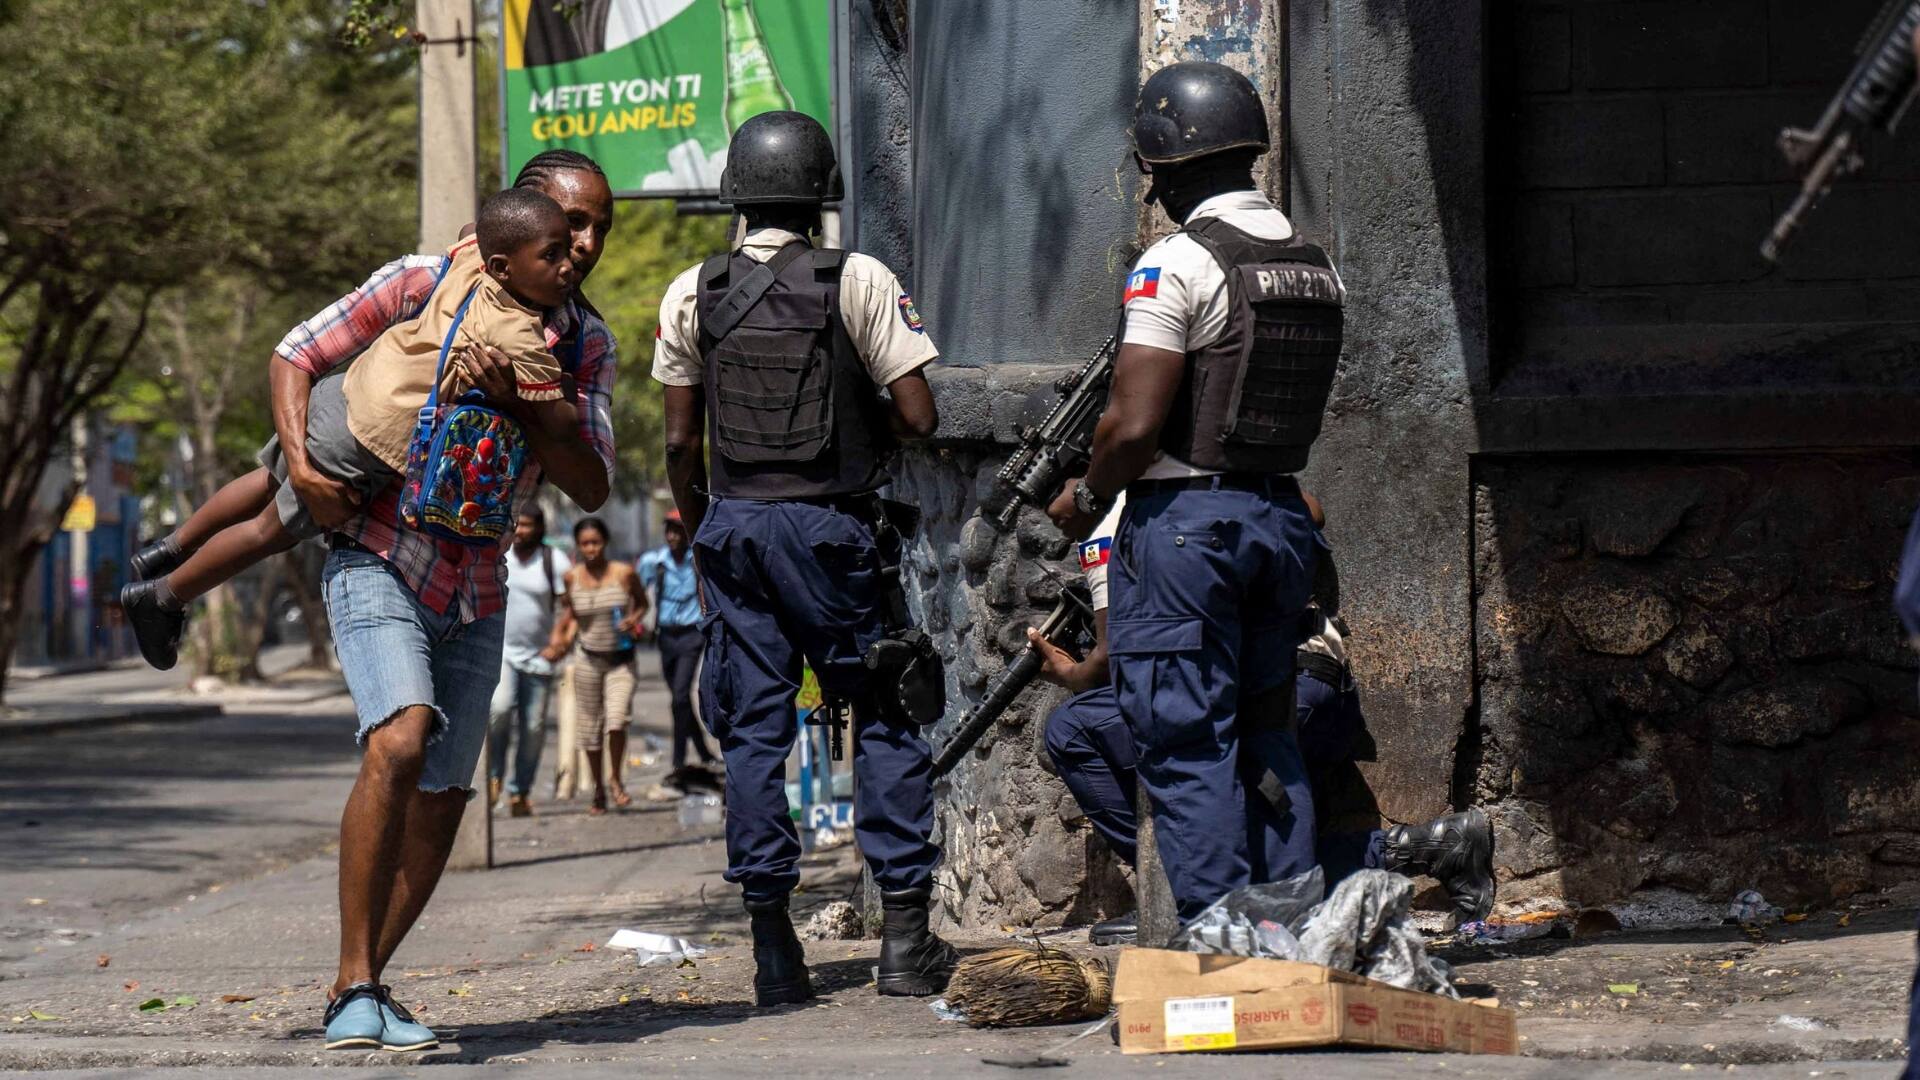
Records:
x=1176, y=296
x=879, y=315
x=389, y=383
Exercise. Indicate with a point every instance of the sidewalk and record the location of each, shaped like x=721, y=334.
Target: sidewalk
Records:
x=508, y=966
x=129, y=692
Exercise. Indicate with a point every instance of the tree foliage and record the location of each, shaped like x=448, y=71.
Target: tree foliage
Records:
x=648, y=247
x=166, y=159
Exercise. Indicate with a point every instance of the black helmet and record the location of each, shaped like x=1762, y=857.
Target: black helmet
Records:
x=1192, y=109
x=780, y=157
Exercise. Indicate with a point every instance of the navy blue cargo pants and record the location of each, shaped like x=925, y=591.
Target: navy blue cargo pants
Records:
x=788, y=581
x=1093, y=752
x=1209, y=585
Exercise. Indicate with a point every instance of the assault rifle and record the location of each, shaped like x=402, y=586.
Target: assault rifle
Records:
x=1875, y=95
x=1070, y=624
x=1060, y=447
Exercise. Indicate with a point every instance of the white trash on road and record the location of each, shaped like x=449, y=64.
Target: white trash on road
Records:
x=652, y=949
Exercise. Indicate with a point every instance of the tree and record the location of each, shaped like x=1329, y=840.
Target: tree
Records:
x=649, y=245
x=153, y=150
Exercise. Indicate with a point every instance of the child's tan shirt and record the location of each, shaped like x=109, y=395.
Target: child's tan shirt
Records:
x=389, y=383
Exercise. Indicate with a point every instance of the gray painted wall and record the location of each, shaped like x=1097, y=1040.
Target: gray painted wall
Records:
x=1023, y=207
x=1386, y=156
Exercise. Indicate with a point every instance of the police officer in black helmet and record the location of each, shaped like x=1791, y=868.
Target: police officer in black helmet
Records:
x=1232, y=333
x=774, y=356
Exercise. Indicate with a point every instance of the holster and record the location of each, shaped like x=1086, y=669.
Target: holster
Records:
x=909, y=678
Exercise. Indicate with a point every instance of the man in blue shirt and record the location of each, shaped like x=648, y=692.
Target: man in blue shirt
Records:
x=668, y=572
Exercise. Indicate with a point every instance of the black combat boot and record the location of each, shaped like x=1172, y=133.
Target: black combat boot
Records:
x=913, y=962
x=780, y=974
x=157, y=625
x=1457, y=851
x=158, y=559
x=1119, y=930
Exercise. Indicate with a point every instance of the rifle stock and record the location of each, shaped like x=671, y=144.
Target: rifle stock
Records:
x=1875, y=95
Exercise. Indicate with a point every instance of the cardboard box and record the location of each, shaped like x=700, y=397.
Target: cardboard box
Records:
x=1171, y=1002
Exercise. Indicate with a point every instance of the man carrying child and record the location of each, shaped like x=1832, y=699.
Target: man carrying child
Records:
x=418, y=618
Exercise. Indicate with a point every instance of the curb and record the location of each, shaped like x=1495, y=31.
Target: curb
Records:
x=38, y=672
x=152, y=713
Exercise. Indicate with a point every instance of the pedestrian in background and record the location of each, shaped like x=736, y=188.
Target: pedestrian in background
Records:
x=668, y=572
x=601, y=612
x=534, y=589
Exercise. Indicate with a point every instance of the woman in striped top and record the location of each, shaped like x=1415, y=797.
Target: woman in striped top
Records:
x=601, y=612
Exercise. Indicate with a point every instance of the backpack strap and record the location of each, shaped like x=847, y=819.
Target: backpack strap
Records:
x=742, y=297
x=432, y=408
x=446, y=264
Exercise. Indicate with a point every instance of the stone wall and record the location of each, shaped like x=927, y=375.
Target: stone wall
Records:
x=1018, y=850
x=1690, y=675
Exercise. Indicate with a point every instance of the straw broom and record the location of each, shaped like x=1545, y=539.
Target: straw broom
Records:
x=1020, y=987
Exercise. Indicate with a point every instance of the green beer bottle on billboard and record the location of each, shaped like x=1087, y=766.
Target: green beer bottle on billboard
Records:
x=753, y=86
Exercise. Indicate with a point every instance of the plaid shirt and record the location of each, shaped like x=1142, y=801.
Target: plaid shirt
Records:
x=442, y=572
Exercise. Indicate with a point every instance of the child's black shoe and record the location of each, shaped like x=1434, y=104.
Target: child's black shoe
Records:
x=158, y=559
x=156, y=629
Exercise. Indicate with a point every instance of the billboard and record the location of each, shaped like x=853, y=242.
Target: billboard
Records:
x=653, y=89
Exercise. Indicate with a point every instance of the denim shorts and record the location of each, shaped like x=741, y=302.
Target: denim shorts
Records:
x=397, y=653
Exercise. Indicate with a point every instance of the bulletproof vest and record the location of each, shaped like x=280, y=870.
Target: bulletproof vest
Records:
x=791, y=409
x=1252, y=400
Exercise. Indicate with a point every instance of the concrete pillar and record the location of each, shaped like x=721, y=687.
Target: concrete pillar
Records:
x=1023, y=206
x=449, y=192
x=449, y=169
x=1250, y=38
x=1159, y=919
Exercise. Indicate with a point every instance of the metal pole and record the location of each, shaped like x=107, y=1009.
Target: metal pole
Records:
x=449, y=191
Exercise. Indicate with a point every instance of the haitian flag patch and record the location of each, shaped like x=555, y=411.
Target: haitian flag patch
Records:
x=910, y=316
x=1143, y=283
x=1094, y=552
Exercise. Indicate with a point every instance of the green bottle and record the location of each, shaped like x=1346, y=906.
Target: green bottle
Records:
x=753, y=86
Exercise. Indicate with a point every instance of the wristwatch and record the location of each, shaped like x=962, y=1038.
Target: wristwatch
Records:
x=1090, y=502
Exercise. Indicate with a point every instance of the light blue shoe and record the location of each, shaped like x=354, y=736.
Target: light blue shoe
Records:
x=354, y=1019
x=401, y=1031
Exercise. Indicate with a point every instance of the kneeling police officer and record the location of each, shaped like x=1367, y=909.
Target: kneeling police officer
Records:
x=777, y=437
x=1232, y=333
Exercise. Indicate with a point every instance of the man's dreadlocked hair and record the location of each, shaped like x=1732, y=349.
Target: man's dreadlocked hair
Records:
x=548, y=163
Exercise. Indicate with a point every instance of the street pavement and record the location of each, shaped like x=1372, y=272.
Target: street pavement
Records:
x=127, y=691
x=196, y=861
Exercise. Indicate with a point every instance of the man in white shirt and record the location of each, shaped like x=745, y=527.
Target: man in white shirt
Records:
x=535, y=582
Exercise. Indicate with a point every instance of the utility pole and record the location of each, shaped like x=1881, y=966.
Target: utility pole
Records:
x=449, y=193
x=449, y=153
